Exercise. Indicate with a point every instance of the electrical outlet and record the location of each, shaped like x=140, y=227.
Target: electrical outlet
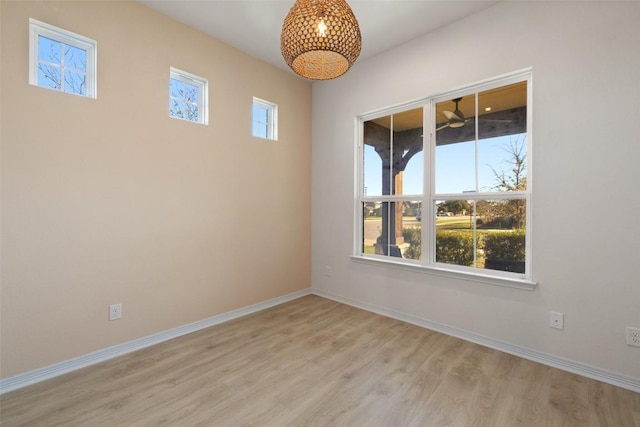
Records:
x=556, y=320
x=115, y=311
x=633, y=336
x=327, y=270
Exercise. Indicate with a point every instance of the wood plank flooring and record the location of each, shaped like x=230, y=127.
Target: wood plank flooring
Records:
x=316, y=362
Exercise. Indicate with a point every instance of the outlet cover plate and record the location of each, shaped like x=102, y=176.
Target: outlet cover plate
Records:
x=115, y=311
x=556, y=320
x=633, y=336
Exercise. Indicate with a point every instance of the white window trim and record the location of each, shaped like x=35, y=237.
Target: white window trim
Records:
x=272, y=120
x=203, y=98
x=38, y=28
x=426, y=264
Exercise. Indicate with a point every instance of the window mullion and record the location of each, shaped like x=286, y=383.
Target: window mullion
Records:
x=428, y=223
x=477, y=178
x=391, y=186
x=62, y=68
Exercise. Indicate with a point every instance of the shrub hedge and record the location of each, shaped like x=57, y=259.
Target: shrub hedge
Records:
x=454, y=247
x=505, y=246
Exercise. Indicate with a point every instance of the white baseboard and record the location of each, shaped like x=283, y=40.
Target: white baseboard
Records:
x=608, y=377
x=57, y=369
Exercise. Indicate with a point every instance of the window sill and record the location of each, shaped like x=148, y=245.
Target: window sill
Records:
x=509, y=282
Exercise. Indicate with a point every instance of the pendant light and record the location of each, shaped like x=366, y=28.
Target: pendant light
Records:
x=320, y=39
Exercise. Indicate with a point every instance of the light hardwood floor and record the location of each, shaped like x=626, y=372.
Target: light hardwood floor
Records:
x=316, y=362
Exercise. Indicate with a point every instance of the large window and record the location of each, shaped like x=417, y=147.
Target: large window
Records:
x=61, y=60
x=445, y=182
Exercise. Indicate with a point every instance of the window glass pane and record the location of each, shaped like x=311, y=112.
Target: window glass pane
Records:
x=386, y=241
x=455, y=154
x=377, y=157
x=176, y=88
x=455, y=167
x=49, y=76
x=455, y=232
x=502, y=144
x=260, y=130
x=502, y=163
x=482, y=233
x=191, y=111
x=260, y=114
x=49, y=50
x=75, y=83
x=176, y=108
x=392, y=229
x=176, y=99
x=407, y=157
x=372, y=172
x=371, y=227
x=75, y=58
x=455, y=247
x=501, y=231
x=411, y=226
x=191, y=93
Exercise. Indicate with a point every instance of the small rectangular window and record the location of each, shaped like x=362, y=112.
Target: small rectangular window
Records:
x=265, y=119
x=187, y=96
x=61, y=60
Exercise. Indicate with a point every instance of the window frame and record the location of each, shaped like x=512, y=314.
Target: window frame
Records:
x=203, y=94
x=272, y=118
x=427, y=263
x=90, y=46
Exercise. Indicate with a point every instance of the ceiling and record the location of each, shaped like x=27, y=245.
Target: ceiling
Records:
x=254, y=26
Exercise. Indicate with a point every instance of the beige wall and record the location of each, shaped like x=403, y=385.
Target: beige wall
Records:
x=111, y=201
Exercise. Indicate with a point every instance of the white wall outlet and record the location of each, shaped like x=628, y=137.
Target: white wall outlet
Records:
x=115, y=311
x=327, y=270
x=633, y=336
x=556, y=320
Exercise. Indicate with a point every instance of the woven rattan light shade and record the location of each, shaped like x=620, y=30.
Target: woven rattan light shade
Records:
x=320, y=38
